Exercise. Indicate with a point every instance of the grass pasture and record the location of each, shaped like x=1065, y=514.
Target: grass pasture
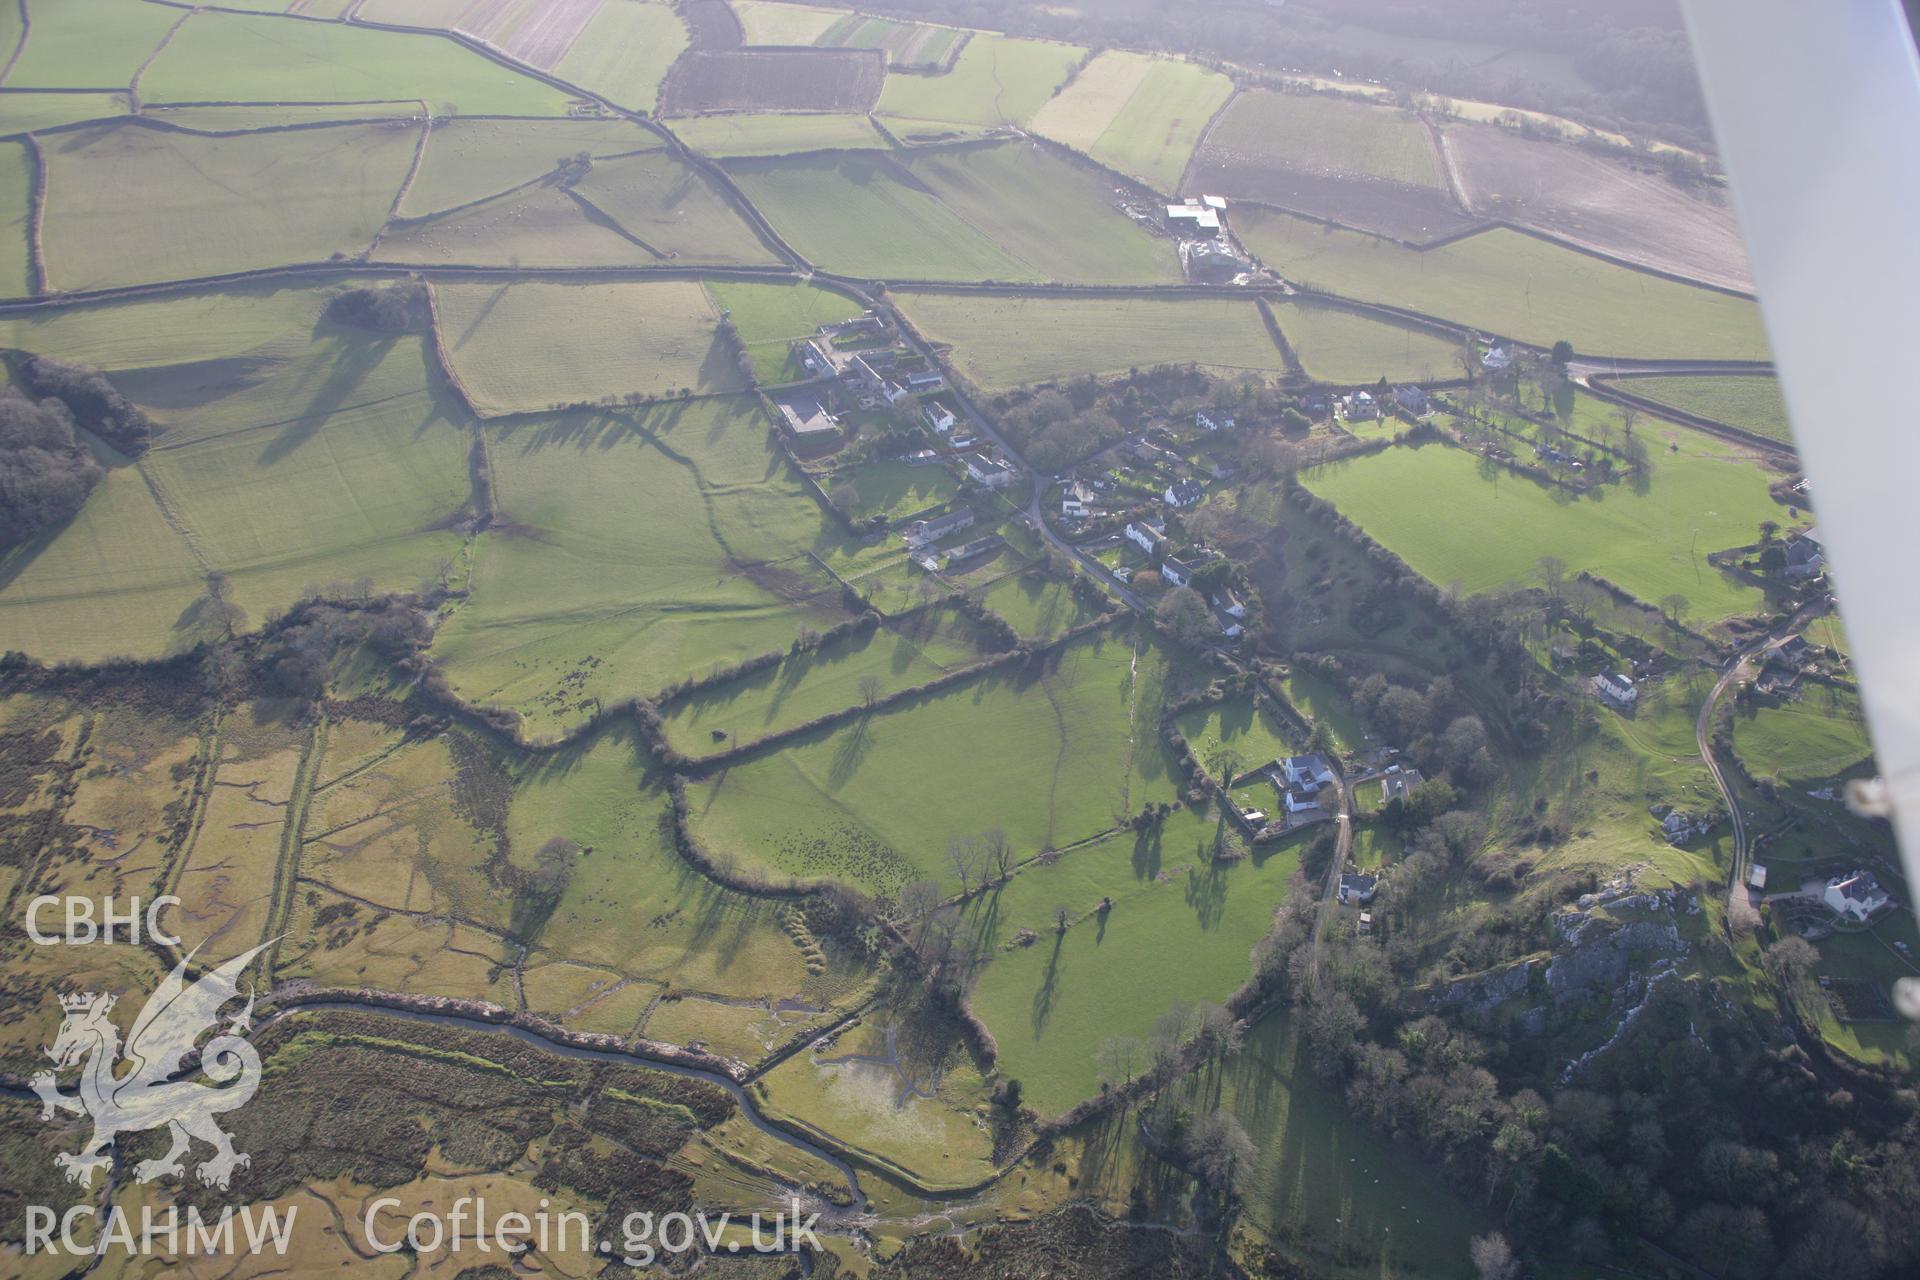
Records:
x=213, y=205
x=1140, y=115
x=98, y=45
x=1509, y=283
x=893, y=489
x=633, y=549
x=1001, y=342
x=1037, y=607
x=469, y=160
x=772, y=133
x=674, y=209
x=1340, y=346
x=232, y=57
x=1318, y=132
x=1752, y=404
x=945, y=215
x=776, y=23
x=1064, y=747
x=540, y=226
x=770, y=317
x=996, y=80
x=523, y=348
x=625, y=51
x=901, y=654
x=1651, y=543
x=1820, y=736
x=24, y=112
x=1052, y=1004
x=16, y=219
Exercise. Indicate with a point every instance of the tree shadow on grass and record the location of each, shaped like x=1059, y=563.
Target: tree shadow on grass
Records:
x=354, y=359
x=1049, y=985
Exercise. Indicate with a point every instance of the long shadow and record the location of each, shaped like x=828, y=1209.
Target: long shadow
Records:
x=850, y=750
x=1049, y=985
x=1207, y=895
x=356, y=358
x=1146, y=853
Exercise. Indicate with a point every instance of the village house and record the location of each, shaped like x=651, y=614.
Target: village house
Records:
x=922, y=458
x=1313, y=771
x=1076, y=500
x=924, y=532
x=1230, y=627
x=1177, y=571
x=1182, y=494
x=1856, y=895
x=1214, y=421
x=938, y=416
x=893, y=392
x=961, y=439
x=1792, y=653
x=985, y=471
x=1360, y=407
x=1300, y=802
x=1805, y=555
x=1398, y=783
x=1230, y=604
x=813, y=358
x=1412, y=399
x=1616, y=688
x=925, y=381
x=864, y=325
x=1497, y=358
x=1146, y=534
x=1357, y=888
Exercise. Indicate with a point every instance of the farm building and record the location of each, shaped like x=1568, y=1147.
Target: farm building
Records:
x=925, y=532
x=1196, y=216
x=1856, y=895
x=808, y=421
x=1616, y=688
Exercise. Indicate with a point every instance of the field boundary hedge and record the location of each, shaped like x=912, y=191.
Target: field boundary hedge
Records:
x=1604, y=387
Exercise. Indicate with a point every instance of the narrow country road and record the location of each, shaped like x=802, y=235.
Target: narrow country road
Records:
x=1330, y=895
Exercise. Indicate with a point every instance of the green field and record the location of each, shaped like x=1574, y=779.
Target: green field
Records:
x=1820, y=736
x=230, y=57
x=1037, y=607
x=1001, y=342
x=632, y=549
x=674, y=209
x=1752, y=404
x=1512, y=284
x=770, y=317
x=468, y=160
x=1052, y=1004
x=906, y=44
x=213, y=205
x=770, y=22
x=1317, y=132
x=1345, y=347
x=524, y=348
x=98, y=45
x=21, y=112
x=16, y=219
x=1497, y=524
x=774, y=133
x=1327, y=1189
x=893, y=489
x=904, y=653
x=624, y=52
x=246, y=116
x=539, y=226
x=293, y=454
x=946, y=215
x=875, y=802
x=1143, y=116
x=996, y=80
x=1241, y=727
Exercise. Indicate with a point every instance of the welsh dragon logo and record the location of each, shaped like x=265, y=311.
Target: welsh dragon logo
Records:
x=149, y=1096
